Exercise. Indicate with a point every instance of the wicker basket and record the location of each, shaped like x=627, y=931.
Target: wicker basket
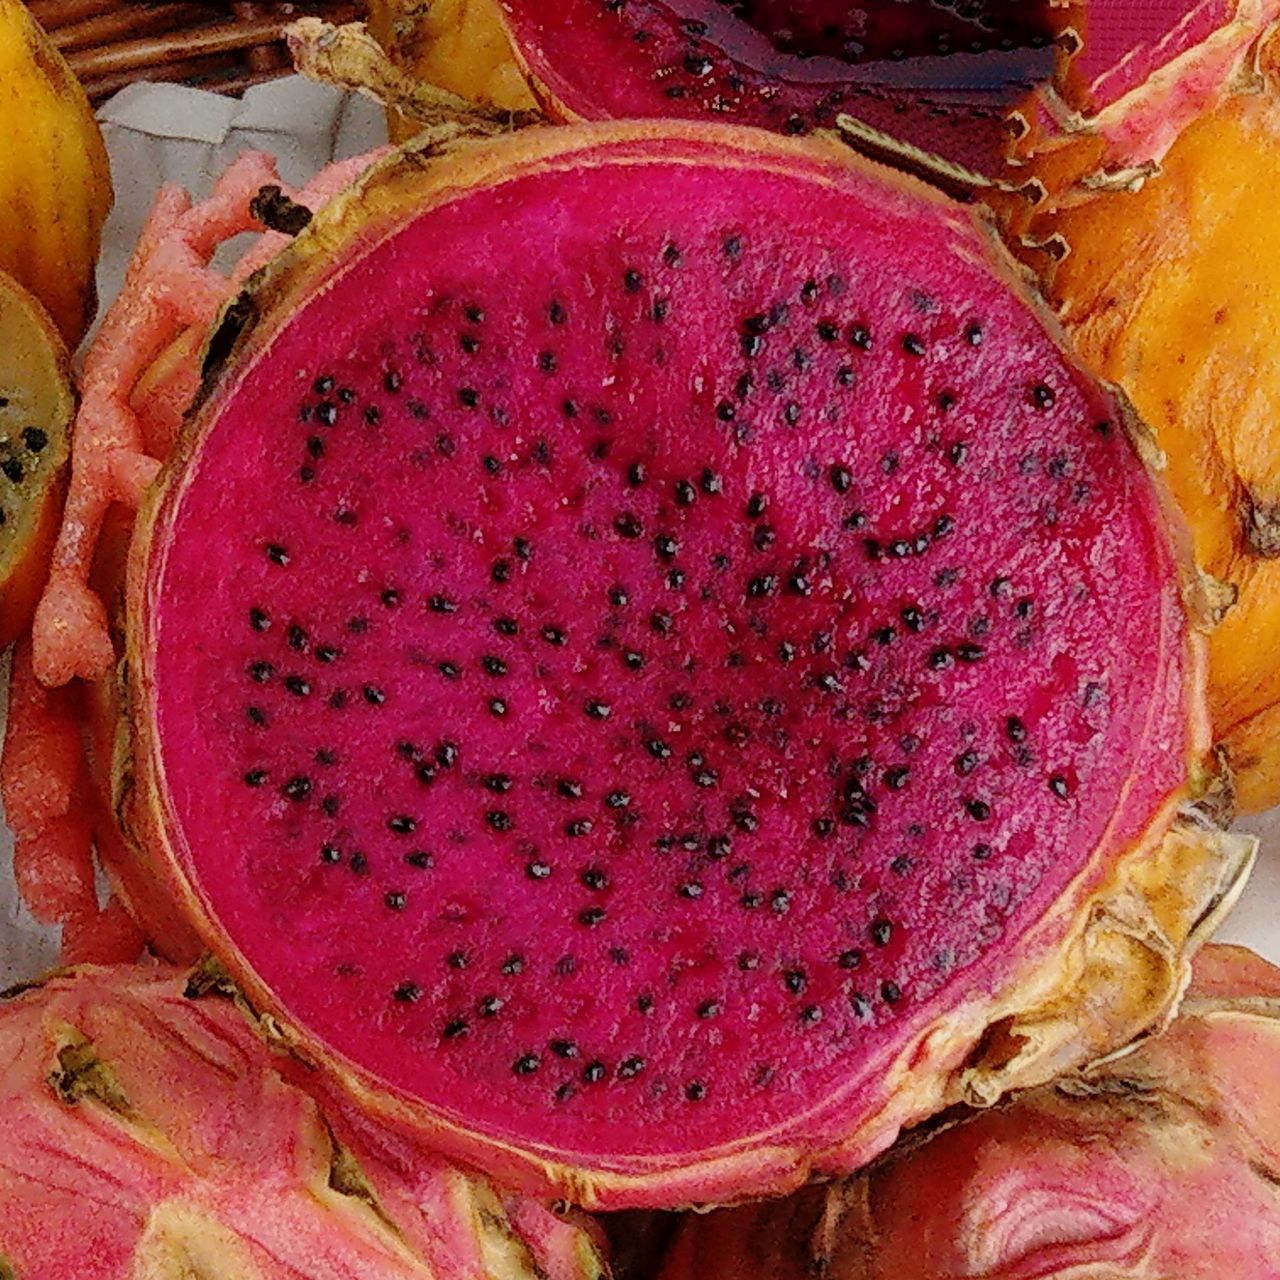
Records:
x=225, y=45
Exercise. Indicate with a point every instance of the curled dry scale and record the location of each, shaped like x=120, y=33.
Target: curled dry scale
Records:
x=644, y=654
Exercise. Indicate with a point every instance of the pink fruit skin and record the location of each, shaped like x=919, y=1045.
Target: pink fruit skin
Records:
x=1180, y=1181
x=1160, y=1164
x=186, y=1152
x=301, y=923
x=1147, y=71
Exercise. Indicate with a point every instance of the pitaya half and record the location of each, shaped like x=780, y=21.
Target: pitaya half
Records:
x=1161, y=1163
x=149, y=1133
x=943, y=77
x=665, y=720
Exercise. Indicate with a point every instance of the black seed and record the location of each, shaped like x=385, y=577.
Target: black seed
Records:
x=578, y=827
x=890, y=992
x=970, y=652
x=913, y=344
x=489, y=1006
x=450, y=670
x=1042, y=396
x=913, y=618
x=598, y=710
x=690, y=890
x=297, y=788
x=628, y=525
x=896, y=778
x=941, y=659
x=666, y=546
x=630, y=1067
x=632, y=281
x=966, y=763
x=420, y=859
x=255, y=777
x=500, y=783
x=401, y=824
x=860, y=336
x=978, y=810
x=493, y=666
x=526, y=1064
x=1016, y=730
x=591, y=916
x=733, y=247
x=958, y=452
x=407, y=993
x=1059, y=786
x=374, y=696
x=395, y=900
x=795, y=981
x=883, y=635
x=359, y=864
x=811, y=1015
x=594, y=1072
x=513, y=965
x=841, y=478
x=780, y=902
x=498, y=707
x=297, y=686
x=276, y=553
x=338, y=699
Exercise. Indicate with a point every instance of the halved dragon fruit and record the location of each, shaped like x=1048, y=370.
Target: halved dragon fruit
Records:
x=652, y=659
x=1162, y=1163
x=943, y=77
x=149, y=1133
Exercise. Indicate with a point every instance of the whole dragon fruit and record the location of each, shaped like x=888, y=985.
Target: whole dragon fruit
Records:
x=736, y=668
x=149, y=1133
x=1164, y=1162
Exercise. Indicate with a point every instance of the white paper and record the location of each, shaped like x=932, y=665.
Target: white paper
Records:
x=168, y=133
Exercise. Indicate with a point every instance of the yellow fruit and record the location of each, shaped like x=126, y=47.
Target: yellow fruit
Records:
x=459, y=45
x=36, y=405
x=1174, y=293
x=55, y=186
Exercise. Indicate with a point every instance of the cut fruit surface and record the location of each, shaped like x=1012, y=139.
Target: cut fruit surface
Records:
x=645, y=718
x=36, y=404
x=942, y=77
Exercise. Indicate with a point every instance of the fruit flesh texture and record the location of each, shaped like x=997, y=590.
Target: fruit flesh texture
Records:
x=549, y=968
x=35, y=413
x=926, y=73
x=55, y=185
x=1171, y=292
x=147, y=1133
x=1158, y=1164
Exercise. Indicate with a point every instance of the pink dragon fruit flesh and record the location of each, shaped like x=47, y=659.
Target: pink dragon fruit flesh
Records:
x=1163, y=1163
x=940, y=76
x=652, y=660
x=147, y=1133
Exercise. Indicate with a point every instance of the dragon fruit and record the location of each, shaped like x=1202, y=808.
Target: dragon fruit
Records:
x=148, y=1132
x=940, y=77
x=740, y=676
x=36, y=404
x=1161, y=1163
x=1172, y=292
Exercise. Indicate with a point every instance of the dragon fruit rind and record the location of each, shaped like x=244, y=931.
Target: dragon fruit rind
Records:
x=1161, y=1163
x=652, y=660
x=147, y=1133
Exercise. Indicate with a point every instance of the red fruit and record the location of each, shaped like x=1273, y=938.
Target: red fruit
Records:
x=652, y=658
